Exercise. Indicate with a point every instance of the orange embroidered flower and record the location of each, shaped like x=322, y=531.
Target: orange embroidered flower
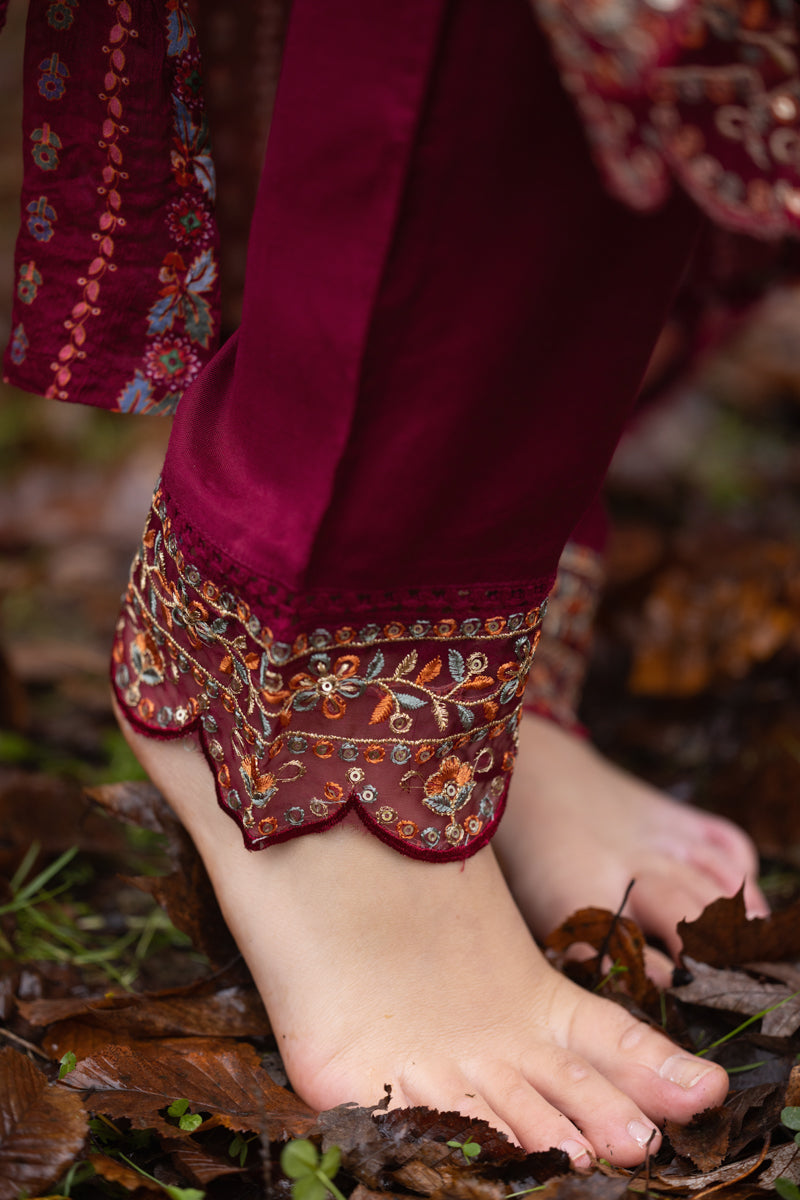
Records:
x=267, y=825
x=450, y=788
x=406, y=829
x=333, y=685
x=374, y=753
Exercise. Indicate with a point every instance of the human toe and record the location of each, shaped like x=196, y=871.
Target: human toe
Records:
x=664, y=1080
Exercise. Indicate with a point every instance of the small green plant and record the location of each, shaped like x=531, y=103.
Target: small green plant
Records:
x=468, y=1148
x=239, y=1148
x=312, y=1176
x=174, y=1193
x=187, y=1121
x=744, y=1025
x=53, y=925
x=786, y=1188
x=68, y=1062
x=614, y=971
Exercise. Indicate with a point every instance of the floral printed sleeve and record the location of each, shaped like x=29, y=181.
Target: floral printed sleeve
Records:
x=116, y=289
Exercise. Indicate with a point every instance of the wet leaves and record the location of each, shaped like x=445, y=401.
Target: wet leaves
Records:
x=42, y=1126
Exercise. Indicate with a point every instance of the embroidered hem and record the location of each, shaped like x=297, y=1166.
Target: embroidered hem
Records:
x=557, y=675
x=409, y=722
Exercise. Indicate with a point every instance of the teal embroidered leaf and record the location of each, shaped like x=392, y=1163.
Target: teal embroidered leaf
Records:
x=467, y=716
x=406, y=701
x=376, y=666
x=457, y=665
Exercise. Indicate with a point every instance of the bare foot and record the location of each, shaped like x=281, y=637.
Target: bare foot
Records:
x=379, y=969
x=578, y=829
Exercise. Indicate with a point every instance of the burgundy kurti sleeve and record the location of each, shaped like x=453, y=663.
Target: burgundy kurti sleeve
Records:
x=116, y=288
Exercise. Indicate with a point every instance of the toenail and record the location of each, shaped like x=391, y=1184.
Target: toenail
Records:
x=685, y=1071
x=641, y=1133
x=579, y=1155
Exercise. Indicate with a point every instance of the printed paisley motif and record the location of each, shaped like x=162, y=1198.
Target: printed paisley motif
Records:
x=410, y=722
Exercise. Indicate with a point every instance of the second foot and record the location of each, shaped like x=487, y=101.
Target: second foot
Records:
x=578, y=829
x=378, y=969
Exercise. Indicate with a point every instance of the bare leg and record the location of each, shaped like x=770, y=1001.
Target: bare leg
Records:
x=376, y=969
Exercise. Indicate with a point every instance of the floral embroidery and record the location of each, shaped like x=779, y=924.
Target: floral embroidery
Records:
x=705, y=90
x=176, y=329
x=135, y=395
x=179, y=28
x=182, y=297
x=187, y=294
x=29, y=282
x=19, y=345
x=411, y=723
x=172, y=361
x=60, y=14
x=556, y=678
x=189, y=222
x=189, y=80
x=52, y=81
x=191, y=158
x=46, y=146
x=40, y=221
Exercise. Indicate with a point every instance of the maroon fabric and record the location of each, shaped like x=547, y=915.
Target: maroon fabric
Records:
x=445, y=323
x=366, y=494
x=116, y=288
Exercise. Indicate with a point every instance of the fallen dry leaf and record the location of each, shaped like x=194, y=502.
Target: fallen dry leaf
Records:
x=738, y=992
x=719, y=1133
x=42, y=1127
x=53, y=812
x=222, y=1079
x=722, y=935
x=199, y=1163
x=198, y=1010
x=616, y=939
x=185, y=893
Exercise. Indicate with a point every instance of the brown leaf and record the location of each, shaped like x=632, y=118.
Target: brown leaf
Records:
x=737, y=992
x=223, y=1079
x=618, y=938
x=407, y=1126
x=186, y=893
x=761, y=1170
x=115, y=1172
x=585, y=1187
x=42, y=1127
x=53, y=812
x=722, y=935
x=719, y=1133
x=193, y=1011
x=199, y=1163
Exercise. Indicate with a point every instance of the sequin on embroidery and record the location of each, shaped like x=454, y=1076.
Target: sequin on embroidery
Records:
x=411, y=722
